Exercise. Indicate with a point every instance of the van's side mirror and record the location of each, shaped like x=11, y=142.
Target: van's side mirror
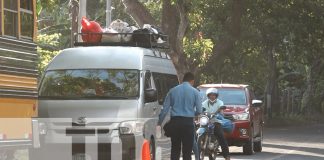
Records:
x=256, y=103
x=150, y=95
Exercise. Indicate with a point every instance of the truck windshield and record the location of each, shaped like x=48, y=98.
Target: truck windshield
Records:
x=90, y=84
x=229, y=96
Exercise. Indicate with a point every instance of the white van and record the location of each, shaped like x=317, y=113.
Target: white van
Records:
x=95, y=94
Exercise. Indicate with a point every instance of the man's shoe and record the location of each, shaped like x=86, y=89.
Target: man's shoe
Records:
x=228, y=158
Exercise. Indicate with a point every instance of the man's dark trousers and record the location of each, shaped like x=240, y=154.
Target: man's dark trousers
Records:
x=182, y=137
x=219, y=132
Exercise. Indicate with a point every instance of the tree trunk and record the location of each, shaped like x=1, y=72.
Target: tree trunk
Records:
x=312, y=75
x=271, y=95
x=226, y=44
x=174, y=23
x=138, y=12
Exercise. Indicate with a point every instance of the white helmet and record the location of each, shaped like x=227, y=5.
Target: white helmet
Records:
x=211, y=91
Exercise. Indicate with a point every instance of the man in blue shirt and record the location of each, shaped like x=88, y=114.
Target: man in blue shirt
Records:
x=185, y=103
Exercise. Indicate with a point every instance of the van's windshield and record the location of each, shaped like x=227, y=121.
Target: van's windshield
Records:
x=90, y=84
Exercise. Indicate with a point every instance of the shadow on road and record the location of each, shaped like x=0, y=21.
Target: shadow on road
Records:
x=282, y=152
x=256, y=156
x=310, y=150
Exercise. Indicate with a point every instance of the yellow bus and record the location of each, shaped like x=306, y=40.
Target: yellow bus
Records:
x=18, y=73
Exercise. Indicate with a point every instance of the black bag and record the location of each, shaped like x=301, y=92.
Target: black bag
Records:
x=144, y=36
x=168, y=128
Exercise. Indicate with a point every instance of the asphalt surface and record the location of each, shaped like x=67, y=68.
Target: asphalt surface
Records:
x=287, y=143
x=280, y=143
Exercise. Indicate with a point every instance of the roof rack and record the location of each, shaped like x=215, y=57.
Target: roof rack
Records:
x=145, y=40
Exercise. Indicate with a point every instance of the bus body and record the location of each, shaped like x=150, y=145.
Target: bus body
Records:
x=18, y=74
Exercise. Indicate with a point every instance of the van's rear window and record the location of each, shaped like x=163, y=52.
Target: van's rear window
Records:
x=90, y=84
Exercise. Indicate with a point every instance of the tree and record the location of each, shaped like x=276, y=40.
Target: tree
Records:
x=272, y=45
x=47, y=48
x=175, y=23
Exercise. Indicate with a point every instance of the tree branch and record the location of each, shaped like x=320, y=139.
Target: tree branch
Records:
x=175, y=23
x=138, y=12
x=227, y=43
x=184, y=21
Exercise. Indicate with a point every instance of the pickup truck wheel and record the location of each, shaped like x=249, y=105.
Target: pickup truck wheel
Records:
x=249, y=146
x=258, y=144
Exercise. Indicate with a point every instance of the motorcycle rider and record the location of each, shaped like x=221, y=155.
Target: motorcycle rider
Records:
x=213, y=105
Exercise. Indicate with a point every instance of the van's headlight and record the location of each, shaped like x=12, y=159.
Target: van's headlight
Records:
x=42, y=128
x=203, y=120
x=131, y=127
x=241, y=116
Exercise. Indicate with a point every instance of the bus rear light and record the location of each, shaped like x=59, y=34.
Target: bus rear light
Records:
x=34, y=107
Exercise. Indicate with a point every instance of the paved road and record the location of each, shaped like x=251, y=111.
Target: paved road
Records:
x=292, y=143
x=281, y=143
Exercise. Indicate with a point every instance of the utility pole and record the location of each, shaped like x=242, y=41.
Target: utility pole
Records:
x=108, y=13
x=82, y=13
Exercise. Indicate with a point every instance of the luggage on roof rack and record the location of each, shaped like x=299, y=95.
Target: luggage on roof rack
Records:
x=139, y=38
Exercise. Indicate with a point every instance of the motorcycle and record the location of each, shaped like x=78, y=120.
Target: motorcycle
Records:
x=207, y=141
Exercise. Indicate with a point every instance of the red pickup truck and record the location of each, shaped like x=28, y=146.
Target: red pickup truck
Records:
x=246, y=113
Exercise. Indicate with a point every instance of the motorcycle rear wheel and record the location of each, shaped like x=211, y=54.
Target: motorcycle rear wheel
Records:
x=212, y=156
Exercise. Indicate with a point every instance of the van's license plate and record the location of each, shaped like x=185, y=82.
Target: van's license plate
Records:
x=81, y=157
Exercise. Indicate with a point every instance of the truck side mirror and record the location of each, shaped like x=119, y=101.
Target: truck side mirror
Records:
x=150, y=95
x=256, y=103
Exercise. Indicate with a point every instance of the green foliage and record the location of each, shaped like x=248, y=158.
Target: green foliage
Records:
x=47, y=4
x=155, y=8
x=198, y=50
x=48, y=47
x=292, y=29
x=52, y=22
x=118, y=12
x=96, y=10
